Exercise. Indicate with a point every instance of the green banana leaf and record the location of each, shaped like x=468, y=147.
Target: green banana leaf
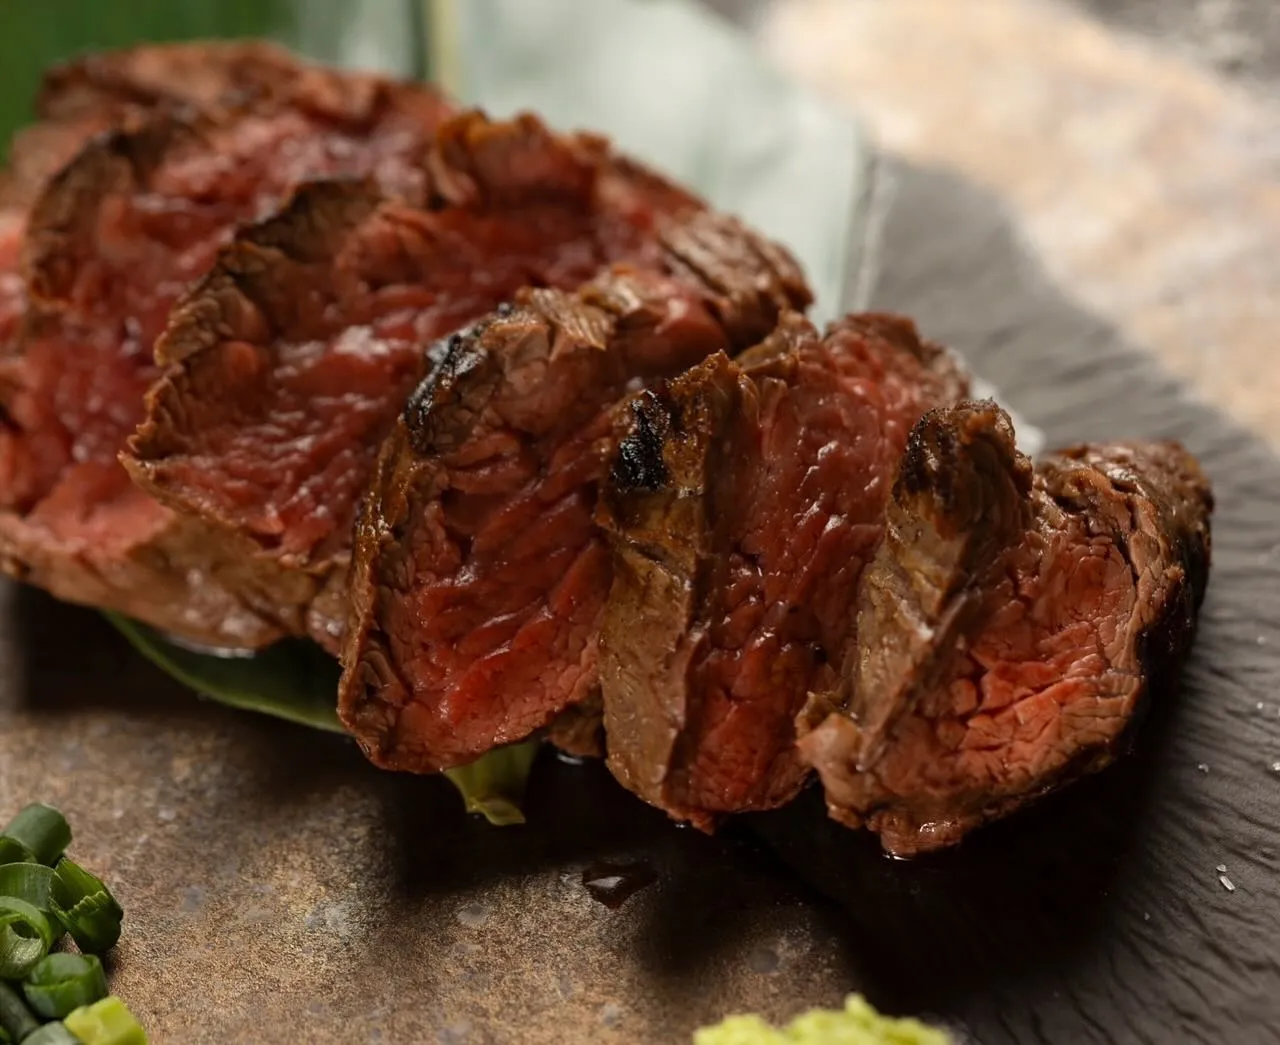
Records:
x=677, y=86
x=293, y=680
x=296, y=681
x=671, y=83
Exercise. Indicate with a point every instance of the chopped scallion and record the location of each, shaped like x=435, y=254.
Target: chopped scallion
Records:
x=14, y=852
x=42, y=831
x=61, y=983
x=107, y=1022
x=29, y=882
x=17, y=1020
x=43, y=895
x=85, y=907
x=52, y=1034
x=26, y=934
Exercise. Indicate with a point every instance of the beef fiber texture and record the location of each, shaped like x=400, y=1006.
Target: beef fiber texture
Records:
x=112, y=240
x=479, y=575
x=742, y=507
x=1010, y=626
x=286, y=367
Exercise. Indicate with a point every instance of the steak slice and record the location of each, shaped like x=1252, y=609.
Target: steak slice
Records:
x=203, y=75
x=742, y=507
x=1010, y=626
x=120, y=89
x=117, y=90
x=111, y=243
x=479, y=575
x=289, y=364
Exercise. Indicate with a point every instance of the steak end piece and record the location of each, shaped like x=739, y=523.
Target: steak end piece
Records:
x=111, y=242
x=120, y=91
x=1009, y=627
x=200, y=74
x=742, y=505
x=213, y=75
x=478, y=574
x=117, y=90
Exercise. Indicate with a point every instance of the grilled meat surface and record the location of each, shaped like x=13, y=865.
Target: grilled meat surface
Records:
x=287, y=366
x=479, y=575
x=742, y=506
x=1010, y=626
x=537, y=441
x=112, y=241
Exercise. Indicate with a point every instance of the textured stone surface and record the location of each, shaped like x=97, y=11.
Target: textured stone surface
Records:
x=280, y=890
x=277, y=888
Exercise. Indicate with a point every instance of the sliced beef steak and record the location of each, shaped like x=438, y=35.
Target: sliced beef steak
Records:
x=1009, y=627
x=742, y=507
x=13, y=296
x=479, y=575
x=202, y=75
x=111, y=243
x=289, y=364
x=117, y=90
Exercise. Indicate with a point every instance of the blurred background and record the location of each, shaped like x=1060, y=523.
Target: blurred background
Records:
x=1137, y=142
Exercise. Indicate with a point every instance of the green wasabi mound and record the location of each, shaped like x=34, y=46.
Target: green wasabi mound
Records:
x=856, y=1024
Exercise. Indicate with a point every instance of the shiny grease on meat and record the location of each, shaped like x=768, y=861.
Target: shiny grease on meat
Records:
x=479, y=575
x=1010, y=627
x=288, y=364
x=745, y=570
x=741, y=507
x=118, y=90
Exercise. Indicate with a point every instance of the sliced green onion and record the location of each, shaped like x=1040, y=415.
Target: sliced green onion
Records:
x=14, y=852
x=26, y=934
x=52, y=1034
x=85, y=907
x=42, y=831
x=30, y=882
x=16, y=1019
x=61, y=983
x=107, y=1022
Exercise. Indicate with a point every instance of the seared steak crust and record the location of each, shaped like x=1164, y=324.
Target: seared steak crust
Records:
x=113, y=240
x=478, y=574
x=203, y=75
x=117, y=90
x=1008, y=626
x=288, y=364
x=742, y=507
x=56, y=536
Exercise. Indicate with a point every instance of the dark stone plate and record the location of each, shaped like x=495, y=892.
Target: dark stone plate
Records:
x=1104, y=914
x=279, y=889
